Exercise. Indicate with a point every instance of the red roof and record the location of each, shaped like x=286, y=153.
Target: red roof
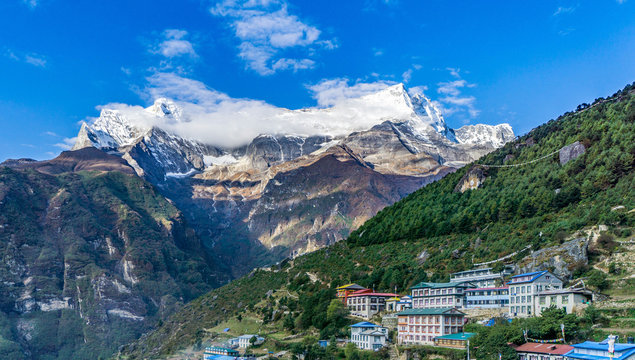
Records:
x=368, y=292
x=539, y=348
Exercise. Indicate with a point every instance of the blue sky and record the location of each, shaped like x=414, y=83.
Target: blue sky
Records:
x=483, y=62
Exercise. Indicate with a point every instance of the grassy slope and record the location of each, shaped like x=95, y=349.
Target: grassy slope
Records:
x=507, y=213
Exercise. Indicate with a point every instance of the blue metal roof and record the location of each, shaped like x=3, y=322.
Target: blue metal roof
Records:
x=219, y=357
x=364, y=324
x=627, y=351
x=535, y=274
x=530, y=274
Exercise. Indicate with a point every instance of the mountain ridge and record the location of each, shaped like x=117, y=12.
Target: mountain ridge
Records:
x=436, y=230
x=406, y=136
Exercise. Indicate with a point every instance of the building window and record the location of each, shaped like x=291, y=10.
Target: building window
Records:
x=542, y=300
x=565, y=299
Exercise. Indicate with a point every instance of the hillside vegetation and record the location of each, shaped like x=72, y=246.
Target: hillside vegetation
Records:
x=90, y=260
x=438, y=230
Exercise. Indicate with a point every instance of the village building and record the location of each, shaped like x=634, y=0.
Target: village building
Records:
x=541, y=351
x=568, y=299
x=397, y=304
x=421, y=326
x=366, y=303
x=455, y=341
x=244, y=341
x=345, y=290
x=483, y=277
x=524, y=288
x=368, y=336
x=428, y=295
x=489, y=297
x=591, y=350
x=216, y=350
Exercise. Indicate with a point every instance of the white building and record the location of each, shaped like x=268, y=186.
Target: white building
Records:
x=243, y=341
x=426, y=295
x=491, y=297
x=524, y=288
x=482, y=277
x=366, y=303
x=568, y=299
x=368, y=336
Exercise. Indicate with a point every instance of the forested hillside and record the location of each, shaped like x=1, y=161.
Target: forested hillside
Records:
x=536, y=203
x=439, y=229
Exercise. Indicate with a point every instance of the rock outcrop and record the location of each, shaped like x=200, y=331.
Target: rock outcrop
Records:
x=571, y=152
x=473, y=179
x=561, y=260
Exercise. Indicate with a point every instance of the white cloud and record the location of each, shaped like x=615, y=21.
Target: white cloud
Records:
x=332, y=91
x=216, y=118
x=34, y=59
x=51, y=133
x=66, y=144
x=266, y=30
x=173, y=43
x=565, y=10
x=378, y=52
x=621, y=1
x=407, y=75
x=295, y=64
x=31, y=3
x=454, y=72
x=453, y=101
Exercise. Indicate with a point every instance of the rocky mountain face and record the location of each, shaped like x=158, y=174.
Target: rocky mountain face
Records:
x=287, y=194
x=92, y=257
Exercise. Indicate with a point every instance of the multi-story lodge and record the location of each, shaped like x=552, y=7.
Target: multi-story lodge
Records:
x=524, y=288
x=421, y=326
x=366, y=303
x=567, y=299
x=345, y=290
x=368, y=336
x=490, y=297
x=427, y=295
x=483, y=277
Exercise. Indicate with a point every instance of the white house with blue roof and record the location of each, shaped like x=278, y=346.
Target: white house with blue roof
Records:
x=591, y=350
x=524, y=288
x=368, y=336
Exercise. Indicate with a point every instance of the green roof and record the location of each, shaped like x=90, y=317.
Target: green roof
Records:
x=439, y=285
x=457, y=336
x=435, y=311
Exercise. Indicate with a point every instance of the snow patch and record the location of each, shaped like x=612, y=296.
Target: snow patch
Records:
x=180, y=175
x=226, y=159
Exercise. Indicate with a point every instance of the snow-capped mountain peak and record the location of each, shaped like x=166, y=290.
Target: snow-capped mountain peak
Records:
x=164, y=107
